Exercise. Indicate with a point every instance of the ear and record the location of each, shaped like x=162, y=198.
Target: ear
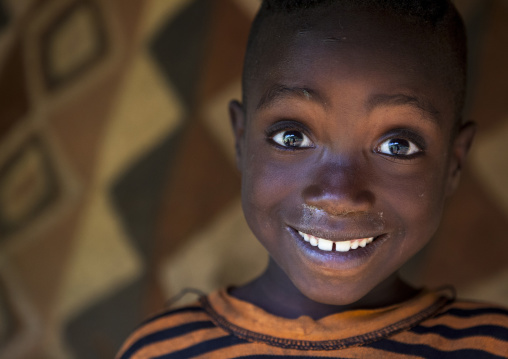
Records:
x=237, y=118
x=460, y=148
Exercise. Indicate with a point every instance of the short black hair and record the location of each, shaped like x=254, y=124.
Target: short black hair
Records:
x=430, y=10
x=440, y=14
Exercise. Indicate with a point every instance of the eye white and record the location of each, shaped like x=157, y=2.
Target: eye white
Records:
x=398, y=147
x=292, y=139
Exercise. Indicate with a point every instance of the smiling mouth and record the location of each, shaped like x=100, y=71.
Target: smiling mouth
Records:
x=338, y=246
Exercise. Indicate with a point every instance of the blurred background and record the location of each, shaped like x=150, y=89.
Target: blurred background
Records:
x=117, y=181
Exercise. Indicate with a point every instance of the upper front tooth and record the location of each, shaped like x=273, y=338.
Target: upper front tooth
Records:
x=342, y=246
x=313, y=240
x=325, y=244
x=305, y=236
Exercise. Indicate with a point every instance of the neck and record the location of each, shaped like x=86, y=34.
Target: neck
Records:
x=274, y=292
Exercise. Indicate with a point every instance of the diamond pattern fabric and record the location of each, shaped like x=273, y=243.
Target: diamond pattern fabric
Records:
x=118, y=185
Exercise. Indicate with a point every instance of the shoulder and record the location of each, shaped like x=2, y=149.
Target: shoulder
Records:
x=471, y=314
x=475, y=328
x=460, y=329
x=170, y=331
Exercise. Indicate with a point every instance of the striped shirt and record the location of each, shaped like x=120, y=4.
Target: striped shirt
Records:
x=431, y=325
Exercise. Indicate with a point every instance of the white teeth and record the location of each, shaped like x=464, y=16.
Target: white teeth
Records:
x=325, y=245
x=313, y=241
x=340, y=246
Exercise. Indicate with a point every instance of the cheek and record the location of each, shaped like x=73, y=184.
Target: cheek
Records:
x=263, y=190
x=260, y=184
x=268, y=176
x=271, y=190
x=416, y=200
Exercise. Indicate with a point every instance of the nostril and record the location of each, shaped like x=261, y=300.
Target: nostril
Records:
x=339, y=201
x=340, y=187
x=313, y=192
x=365, y=196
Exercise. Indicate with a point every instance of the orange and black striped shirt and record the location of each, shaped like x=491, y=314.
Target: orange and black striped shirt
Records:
x=431, y=325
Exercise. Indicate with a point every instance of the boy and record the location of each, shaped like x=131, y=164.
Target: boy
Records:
x=349, y=140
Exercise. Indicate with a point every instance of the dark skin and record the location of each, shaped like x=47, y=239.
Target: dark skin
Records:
x=347, y=135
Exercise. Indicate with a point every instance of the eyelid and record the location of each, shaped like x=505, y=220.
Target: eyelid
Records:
x=406, y=134
x=287, y=125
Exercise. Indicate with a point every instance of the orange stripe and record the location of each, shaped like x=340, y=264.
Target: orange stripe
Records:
x=463, y=323
x=263, y=349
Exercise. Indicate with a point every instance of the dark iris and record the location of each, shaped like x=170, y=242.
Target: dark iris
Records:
x=398, y=146
x=292, y=138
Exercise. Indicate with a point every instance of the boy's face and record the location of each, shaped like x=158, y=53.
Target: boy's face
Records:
x=347, y=136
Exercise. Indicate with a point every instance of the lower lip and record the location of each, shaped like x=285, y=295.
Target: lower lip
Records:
x=338, y=260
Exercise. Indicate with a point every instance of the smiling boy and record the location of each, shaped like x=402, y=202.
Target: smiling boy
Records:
x=349, y=140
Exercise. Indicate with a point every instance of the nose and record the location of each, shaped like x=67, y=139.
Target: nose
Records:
x=339, y=189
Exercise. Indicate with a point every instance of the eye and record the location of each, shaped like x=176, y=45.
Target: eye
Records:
x=398, y=147
x=292, y=139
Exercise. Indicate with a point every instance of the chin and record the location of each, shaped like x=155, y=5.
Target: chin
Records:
x=333, y=295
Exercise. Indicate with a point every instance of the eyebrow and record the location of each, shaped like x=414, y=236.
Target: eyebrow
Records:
x=381, y=100
x=281, y=92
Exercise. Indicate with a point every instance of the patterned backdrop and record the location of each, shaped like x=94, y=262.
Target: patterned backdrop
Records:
x=117, y=181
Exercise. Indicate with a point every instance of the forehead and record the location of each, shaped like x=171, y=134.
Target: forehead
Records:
x=332, y=46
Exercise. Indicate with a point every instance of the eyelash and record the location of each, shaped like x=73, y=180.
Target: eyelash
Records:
x=404, y=134
x=279, y=127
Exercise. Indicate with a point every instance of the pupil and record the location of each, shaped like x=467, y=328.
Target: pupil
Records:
x=399, y=146
x=292, y=138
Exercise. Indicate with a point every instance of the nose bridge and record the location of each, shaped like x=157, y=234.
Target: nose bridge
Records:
x=340, y=185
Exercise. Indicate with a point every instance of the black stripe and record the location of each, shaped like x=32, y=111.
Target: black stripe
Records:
x=426, y=351
x=468, y=313
x=492, y=331
x=165, y=335
x=168, y=313
x=204, y=347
